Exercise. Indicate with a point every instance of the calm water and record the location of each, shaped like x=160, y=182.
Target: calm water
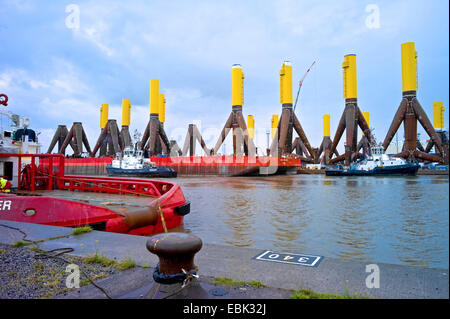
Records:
x=400, y=220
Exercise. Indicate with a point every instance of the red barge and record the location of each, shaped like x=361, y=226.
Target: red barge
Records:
x=197, y=165
x=45, y=195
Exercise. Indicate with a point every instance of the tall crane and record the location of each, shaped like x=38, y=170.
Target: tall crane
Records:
x=301, y=83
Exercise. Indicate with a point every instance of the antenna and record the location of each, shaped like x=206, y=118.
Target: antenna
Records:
x=301, y=83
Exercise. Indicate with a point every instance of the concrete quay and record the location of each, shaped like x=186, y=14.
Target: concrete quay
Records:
x=331, y=275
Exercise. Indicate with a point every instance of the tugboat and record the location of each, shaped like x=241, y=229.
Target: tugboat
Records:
x=377, y=164
x=133, y=163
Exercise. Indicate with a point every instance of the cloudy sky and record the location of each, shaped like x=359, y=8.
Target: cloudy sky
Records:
x=57, y=71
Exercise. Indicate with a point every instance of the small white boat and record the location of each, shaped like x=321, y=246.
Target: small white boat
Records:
x=377, y=164
x=133, y=163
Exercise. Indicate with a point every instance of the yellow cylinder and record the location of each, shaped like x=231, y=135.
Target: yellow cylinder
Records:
x=126, y=109
x=237, y=79
x=349, y=74
x=367, y=118
x=438, y=115
x=409, y=67
x=274, y=125
x=154, y=96
x=326, y=125
x=251, y=126
x=286, y=83
x=103, y=115
x=162, y=108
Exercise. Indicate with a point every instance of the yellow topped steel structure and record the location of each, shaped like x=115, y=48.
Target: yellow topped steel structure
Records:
x=349, y=73
x=326, y=125
x=104, y=115
x=352, y=117
x=251, y=126
x=273, y=125
x=237, y=76
x=286, y=83
x=409, y=67
x=162, y=108
x=410, y=113
x=367, y=118
x=154, y=96
x=126, y=110
x=438, y=115
x=154, y=139
x=242, y=142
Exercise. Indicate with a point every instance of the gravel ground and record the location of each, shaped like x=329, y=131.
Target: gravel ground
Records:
x=22, y=276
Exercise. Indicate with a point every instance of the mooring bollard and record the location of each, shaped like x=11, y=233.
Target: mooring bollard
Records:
x=175, y=275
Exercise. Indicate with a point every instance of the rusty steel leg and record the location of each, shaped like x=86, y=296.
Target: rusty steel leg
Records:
x=56, y=138
x=363, y=124
x=175, y=149
x=145, y=136
x=428, y=157
x=100, y=142
x=301, y=133
x=426, y=124
x=350, y=130
x=199, y=138
x=337, y=136
x=420, y=147
x=125, y=138
x=429, y=146
x=398, y=119
x=410, y=129
x=238, y=140
x=66, y=142
x=164, y=141
x=249, y=146
x=224, y=133
x=284, y=126
x=187, y=141
x=85, y=140
x=153, y=134
x=79, y=139
x=337, y=159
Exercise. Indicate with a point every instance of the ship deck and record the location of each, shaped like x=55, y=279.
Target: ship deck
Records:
x=115, y=202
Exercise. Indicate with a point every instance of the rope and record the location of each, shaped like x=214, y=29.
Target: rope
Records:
x=56, y=254
x=162, y=217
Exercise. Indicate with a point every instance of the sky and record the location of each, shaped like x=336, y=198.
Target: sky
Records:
x=59, y=61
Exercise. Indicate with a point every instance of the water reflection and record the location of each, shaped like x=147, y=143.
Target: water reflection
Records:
x=394, y=220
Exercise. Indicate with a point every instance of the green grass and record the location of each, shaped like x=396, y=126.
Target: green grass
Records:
x=221, y=281
x=82, y=230
x=126, y=264
x=145, y=266
x=309, y=294
x=21, y=243
x=99, y=259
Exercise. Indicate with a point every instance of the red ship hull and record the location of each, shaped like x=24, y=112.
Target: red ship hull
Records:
x=123, y=205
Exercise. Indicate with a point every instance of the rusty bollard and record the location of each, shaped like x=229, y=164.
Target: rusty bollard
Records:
x=175, y=275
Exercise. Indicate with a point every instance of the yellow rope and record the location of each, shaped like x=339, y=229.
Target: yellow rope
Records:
x=162, y=217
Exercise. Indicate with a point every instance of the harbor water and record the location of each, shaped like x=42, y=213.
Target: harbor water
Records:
x=398, y=220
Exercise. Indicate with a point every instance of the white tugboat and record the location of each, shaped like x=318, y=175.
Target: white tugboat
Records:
x=133, y=163
x=377, y=164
